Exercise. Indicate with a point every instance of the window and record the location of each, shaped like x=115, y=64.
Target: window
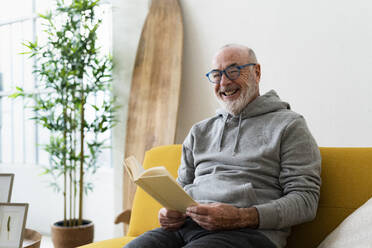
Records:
x=20, y=136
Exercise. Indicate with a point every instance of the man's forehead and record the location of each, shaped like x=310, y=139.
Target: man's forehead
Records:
x=228, y=56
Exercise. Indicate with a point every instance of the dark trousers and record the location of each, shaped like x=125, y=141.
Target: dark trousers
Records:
x=192, y=235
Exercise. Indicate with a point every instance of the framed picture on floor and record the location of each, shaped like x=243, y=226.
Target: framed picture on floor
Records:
x=6, y=185
x=12, y=224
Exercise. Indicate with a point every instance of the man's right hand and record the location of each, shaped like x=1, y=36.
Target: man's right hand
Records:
x=171, y=219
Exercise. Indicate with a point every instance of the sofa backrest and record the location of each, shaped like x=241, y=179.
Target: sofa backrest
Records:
x=145, y=210
x=346, y=185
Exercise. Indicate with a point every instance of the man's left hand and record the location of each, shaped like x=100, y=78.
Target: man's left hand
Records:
x=220, y=216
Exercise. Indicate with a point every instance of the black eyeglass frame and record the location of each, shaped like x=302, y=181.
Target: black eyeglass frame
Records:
x=239, y=67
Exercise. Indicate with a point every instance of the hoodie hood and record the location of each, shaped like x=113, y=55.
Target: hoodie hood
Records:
x=269, y=102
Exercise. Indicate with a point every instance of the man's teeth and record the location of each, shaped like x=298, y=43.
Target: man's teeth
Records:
x=229, y=93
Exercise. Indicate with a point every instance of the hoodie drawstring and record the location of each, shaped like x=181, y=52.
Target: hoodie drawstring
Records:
x=221, y=135
x=237, y=135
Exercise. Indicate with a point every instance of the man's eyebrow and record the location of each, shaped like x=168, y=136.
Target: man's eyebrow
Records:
x=233, y=64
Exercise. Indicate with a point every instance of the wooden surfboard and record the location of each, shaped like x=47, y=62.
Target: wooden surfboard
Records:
x=155, y=88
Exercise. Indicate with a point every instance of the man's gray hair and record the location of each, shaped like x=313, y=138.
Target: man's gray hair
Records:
x=251, y=53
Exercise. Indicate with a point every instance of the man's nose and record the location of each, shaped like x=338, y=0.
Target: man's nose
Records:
x=224, y=80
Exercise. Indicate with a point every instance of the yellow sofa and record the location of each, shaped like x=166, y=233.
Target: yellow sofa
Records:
x=346, y=185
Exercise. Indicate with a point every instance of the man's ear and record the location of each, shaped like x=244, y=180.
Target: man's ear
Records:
x=257, y=71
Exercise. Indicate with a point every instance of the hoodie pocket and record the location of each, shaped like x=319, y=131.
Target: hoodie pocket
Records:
x=211, y=189
x=251, y=197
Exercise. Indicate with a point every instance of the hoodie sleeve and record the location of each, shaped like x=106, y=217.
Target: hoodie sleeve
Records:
x=187, y=169
x=299, y=178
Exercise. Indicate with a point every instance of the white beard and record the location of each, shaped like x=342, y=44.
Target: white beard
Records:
x=235, y=107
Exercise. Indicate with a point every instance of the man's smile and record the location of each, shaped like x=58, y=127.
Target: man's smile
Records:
x=229, y=94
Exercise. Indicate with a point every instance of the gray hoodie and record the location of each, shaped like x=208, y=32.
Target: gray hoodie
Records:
x=264, y=158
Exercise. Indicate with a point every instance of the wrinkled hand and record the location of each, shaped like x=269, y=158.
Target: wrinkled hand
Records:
x=171, y=219
x=219, y=216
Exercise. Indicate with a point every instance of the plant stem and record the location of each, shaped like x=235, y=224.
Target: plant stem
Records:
x=70, y=172
x=8, y=226
x=75, y=189
x=64, y=165
x=81, y=189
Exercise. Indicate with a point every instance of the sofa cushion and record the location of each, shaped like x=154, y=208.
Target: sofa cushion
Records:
x=111, y=243
x=354, y=231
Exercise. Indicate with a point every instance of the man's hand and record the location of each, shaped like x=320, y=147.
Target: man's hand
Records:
x=171, y=219
x=219, y=216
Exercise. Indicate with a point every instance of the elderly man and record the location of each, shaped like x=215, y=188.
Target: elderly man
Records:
x=254, y=168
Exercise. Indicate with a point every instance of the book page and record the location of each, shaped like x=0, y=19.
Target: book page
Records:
x=156, y=171
x=166, y=191
x=133, y=167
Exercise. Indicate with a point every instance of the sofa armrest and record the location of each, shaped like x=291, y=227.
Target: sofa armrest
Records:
x=124, y=217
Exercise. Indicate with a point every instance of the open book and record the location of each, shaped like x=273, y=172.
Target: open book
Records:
x=160, y=184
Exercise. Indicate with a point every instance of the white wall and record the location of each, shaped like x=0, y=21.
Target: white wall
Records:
x=128, y=19
x=316, y=54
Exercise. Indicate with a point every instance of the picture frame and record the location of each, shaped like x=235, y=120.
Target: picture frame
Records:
x=6, y=186
x=12, y=224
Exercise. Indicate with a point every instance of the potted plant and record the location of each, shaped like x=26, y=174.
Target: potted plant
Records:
x=74, y=102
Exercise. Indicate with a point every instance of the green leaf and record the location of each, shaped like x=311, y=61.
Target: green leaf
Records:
x=24, y=53
x=15, y=95
x=19, y=88
x=95, y=107
x=47, y=17
x=45, y=172
x=31, y=45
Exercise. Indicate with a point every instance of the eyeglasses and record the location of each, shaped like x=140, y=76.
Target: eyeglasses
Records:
x=232, y=72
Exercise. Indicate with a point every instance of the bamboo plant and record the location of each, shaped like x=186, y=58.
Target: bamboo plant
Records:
x=74, y=101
